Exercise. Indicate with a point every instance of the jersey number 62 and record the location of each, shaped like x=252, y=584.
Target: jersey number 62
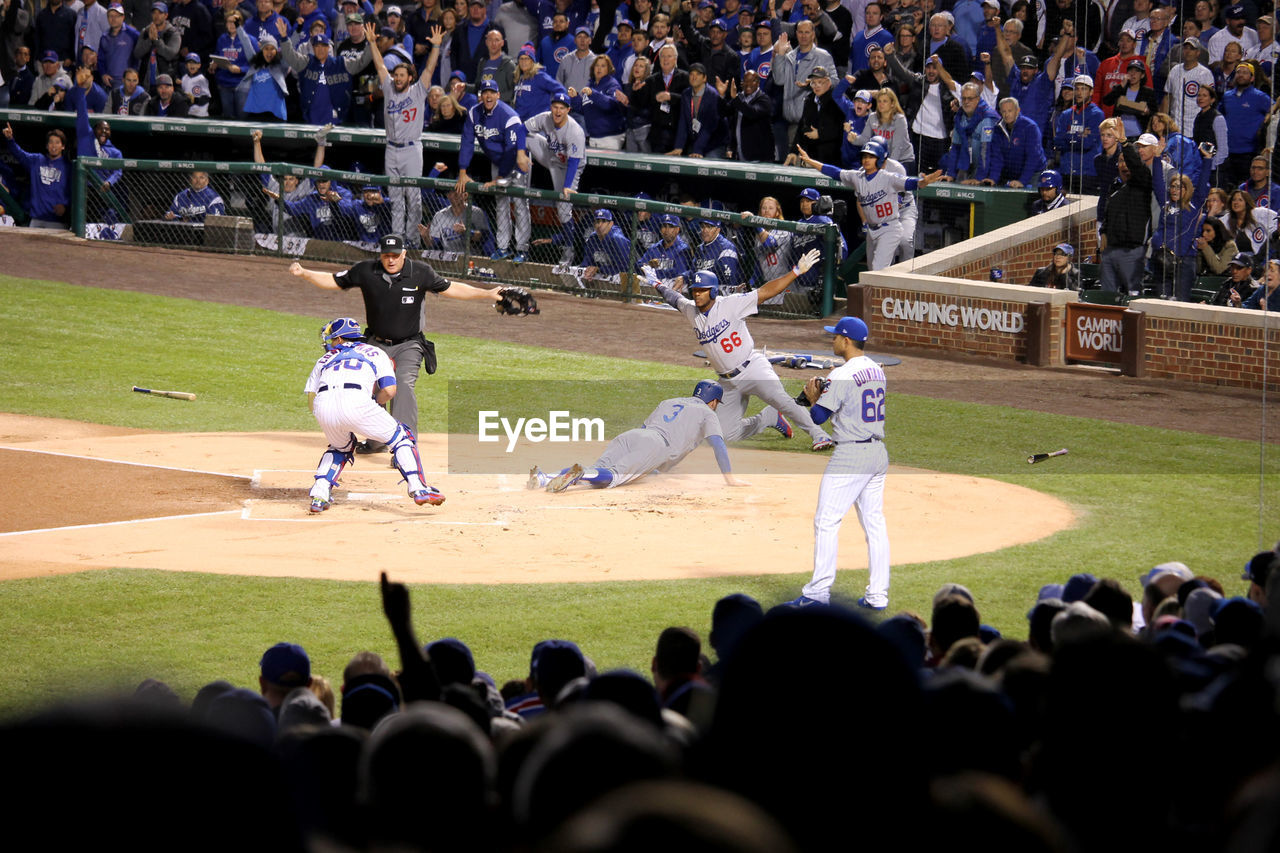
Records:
x=872, y=405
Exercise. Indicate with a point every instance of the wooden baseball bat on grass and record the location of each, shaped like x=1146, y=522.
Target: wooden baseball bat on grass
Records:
x=177, y=395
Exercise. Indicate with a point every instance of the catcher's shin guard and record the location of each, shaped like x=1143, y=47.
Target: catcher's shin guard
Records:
x=331, y=465
x=404, y=456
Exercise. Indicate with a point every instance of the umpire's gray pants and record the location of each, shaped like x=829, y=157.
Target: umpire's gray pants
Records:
x=407, y=358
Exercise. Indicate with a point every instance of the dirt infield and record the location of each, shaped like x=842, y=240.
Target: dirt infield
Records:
x=152, y=509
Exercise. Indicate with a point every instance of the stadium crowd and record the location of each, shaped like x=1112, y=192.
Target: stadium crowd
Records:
x=1148, y=105
x=1107, y=728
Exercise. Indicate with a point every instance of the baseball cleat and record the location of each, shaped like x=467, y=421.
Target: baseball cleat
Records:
x=783, y=426
x=430, y=495
x=823, y=444
x=867, y=605
x=500, y=255
x=537, y=479
x=565, y=479
x=803, y=601
x=519, y=258
x=319, y=504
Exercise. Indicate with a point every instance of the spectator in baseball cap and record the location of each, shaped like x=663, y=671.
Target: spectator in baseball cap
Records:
x=284, y=666
x=557, y=663
x=1257, y=571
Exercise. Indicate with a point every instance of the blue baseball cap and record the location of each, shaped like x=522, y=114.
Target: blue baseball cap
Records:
x=193, y=57
x=489, y=84
x=1065, y=248
x=459, y=75
x=668, y=219
x=721, y=23
x=161, y=6
x=580, y=30
x=560, y=96
x=320, y=38
x=810, y=193
x=286, y=664
x=850, y=327
x=604, y=213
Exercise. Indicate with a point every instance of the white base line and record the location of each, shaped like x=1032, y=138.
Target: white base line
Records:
x=122, y=462
x=116, y=523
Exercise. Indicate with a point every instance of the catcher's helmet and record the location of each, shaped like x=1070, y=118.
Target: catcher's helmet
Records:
x=343, y=327
x=706, y=280
x=1050, y=178
x=706, y=391
x=876, y=148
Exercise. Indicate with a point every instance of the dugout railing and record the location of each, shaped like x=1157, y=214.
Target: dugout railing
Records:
x=275, y=209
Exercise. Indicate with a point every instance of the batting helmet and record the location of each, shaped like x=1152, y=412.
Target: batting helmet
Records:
x=706, y=280
x=706, y=391
x=876, y=148
x=343, y=327
x=1050, y=178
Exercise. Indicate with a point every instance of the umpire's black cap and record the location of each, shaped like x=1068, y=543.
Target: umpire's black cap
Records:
x=391, y=244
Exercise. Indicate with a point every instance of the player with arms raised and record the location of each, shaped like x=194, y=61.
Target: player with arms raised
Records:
x=668, y=435
x=341, y=392
x=877, y=190
x=721, y=327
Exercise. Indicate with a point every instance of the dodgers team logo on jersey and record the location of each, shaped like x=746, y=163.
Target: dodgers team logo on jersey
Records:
x=711, y=333
x=396, y=106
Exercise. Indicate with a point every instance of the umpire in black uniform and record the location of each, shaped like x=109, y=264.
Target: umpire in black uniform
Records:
x=393, y=288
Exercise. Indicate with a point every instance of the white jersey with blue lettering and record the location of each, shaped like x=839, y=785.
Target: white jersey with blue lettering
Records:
x=877, y=194
x=344, y=381
x=563, y=143
x=856, y=399
x=722, y=330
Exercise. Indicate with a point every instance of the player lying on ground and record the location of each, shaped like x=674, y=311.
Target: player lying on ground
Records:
x=721, y=327
x=341, y=392
x=669, y=434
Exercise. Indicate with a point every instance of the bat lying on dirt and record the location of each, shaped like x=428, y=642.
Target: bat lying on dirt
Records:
x=1040, y=457
x=177, y=395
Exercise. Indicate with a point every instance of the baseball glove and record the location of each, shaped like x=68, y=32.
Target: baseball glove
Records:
x=516, y=301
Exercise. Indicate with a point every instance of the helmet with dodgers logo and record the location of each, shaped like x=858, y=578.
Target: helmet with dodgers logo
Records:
x=707, y=391
x=706, y=280
x=345, y=328
x=1050, y=179
x=877, y=148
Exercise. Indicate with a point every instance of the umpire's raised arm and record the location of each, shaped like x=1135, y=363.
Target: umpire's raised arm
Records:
x=322, y=280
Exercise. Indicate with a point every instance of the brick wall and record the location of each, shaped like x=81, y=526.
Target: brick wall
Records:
x=1213, y=346
x=989, y=343
x=1019, y=259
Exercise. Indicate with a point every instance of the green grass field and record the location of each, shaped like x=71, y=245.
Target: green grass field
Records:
x=1144, y=496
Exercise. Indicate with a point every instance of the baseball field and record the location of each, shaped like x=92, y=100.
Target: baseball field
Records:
x=151, y=537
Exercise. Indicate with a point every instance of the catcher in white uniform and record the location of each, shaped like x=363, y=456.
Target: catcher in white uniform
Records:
x=341, y=392
x=852, y=396
x=668, y=435
x=721, y=326
x=878, y=192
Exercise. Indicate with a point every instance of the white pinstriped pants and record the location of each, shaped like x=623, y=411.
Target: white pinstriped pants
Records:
x=342, y=411
x=855, y=477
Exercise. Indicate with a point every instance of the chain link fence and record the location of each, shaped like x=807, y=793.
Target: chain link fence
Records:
x=590, y=245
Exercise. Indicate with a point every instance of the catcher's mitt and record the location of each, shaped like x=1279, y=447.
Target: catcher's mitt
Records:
x=516, y=301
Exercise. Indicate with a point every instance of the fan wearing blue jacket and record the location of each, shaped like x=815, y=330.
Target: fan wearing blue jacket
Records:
x=501, y=136
x=1076, y=139
x=603, y=115
x=534, y=86
x=1174, y=254
x=970, y=135
x=1016, y=153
